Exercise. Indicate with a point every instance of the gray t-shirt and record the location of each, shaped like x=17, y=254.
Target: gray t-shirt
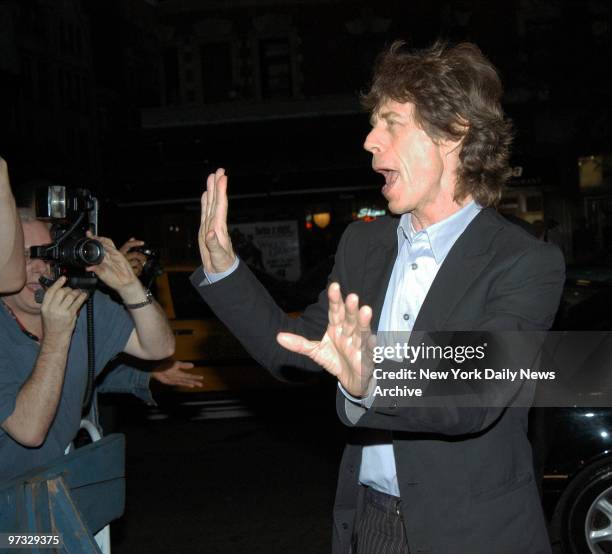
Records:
x=18, y=353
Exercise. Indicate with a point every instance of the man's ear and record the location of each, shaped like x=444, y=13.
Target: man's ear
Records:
x=452, y=145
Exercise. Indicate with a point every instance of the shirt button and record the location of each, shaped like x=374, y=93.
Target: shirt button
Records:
x=414, y=266
x=406, y=317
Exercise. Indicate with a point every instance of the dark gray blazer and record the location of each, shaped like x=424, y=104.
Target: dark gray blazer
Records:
x=465, y=475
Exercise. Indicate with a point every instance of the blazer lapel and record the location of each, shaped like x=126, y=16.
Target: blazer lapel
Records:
x=465, y=263
x=380, y=258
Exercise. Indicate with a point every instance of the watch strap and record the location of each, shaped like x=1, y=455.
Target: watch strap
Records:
x=148, y=300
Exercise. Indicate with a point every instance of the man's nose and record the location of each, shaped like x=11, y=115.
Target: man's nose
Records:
x=372, y=142
x=39, y=266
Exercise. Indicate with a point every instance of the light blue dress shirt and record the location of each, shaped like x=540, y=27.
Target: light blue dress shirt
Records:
x=420, y=255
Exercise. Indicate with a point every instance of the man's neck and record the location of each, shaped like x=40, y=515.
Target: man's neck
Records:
x=421, y=219
x=30, y=322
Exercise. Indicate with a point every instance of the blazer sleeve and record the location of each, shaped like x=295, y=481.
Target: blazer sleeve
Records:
x=524, y=298
x=242, y=303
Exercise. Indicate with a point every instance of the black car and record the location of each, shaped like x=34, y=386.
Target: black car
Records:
x=573, y=446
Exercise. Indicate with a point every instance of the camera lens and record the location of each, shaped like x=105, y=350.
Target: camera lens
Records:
x=89, y=251
x=81, y=252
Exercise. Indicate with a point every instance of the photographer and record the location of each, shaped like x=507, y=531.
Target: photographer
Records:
x=12, y=267
x=43, y=351
x=136, y=258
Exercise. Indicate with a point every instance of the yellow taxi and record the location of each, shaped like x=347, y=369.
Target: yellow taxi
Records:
x=203, y=340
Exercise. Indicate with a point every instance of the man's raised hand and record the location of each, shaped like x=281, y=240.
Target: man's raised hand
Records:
x=214, y=240
x=341, y=350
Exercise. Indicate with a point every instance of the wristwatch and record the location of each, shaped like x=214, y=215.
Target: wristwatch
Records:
x=148, y=300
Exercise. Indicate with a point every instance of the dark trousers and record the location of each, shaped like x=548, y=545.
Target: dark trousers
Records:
x=380, y=528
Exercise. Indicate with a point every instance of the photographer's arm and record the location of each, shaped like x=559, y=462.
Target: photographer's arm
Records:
x=152, y=338
x=12, y=263
x=37, y=400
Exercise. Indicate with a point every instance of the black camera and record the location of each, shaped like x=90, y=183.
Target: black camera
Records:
x=72, y=213
x=152, y=267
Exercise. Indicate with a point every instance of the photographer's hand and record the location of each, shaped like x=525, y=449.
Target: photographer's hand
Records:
x=115, y=270
x=37, y=400
x=214, y=240
x=137, y=259
x=59, y=311
x=152, y=338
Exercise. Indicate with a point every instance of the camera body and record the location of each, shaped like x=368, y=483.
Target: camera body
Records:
x=72, y=212
x=152, y=267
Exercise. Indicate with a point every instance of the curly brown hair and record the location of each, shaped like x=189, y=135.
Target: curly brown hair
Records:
x=457, y=94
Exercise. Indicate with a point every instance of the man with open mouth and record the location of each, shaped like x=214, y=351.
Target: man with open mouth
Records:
x=414, y=479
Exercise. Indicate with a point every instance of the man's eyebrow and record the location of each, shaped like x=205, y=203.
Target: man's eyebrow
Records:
x=384, y=115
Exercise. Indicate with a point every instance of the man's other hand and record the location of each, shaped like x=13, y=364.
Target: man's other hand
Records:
x=173, y=374
x=214, y=240
x=137, y=259
x=345, y=349
x=60, y=308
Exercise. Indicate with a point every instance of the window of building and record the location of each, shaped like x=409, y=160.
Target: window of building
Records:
x=275, y=68
x=171, y=75
x=217, y=80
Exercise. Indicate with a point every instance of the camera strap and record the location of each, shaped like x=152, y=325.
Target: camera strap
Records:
x=91, y=358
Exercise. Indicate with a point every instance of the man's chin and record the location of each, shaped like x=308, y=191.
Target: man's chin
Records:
x=397, y=208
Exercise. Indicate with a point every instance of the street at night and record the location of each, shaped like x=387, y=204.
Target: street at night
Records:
x=205, y=481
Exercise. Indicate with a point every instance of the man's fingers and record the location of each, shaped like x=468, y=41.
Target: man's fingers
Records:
x=186, y=365
x=105, y=241
x=52, y=290
x=219, y=176
x=78, y=300
x=296, y=343
x=210, y=196
x=364, y=318
x=204, y=213
x=211, y=189
x=132, y=243
x=188, y=380
x=336, y=305
x=69, y=298
x=59, y=283
x=351, y=309
x=221, y=200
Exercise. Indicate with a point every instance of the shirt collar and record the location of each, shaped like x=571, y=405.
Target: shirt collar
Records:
x=441, y=235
